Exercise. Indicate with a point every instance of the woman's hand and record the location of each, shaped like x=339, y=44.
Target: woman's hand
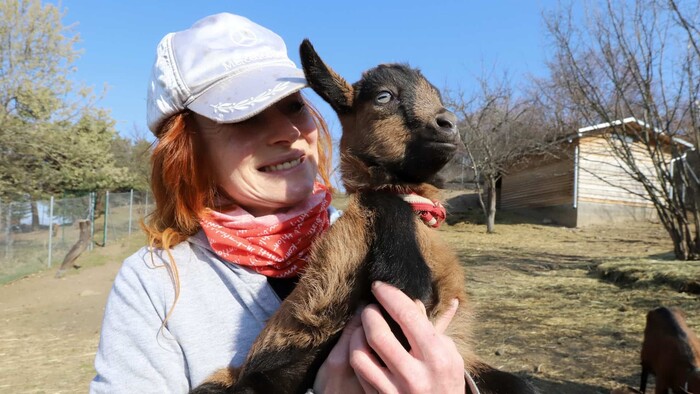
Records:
x=336, y=375
x=433, y=365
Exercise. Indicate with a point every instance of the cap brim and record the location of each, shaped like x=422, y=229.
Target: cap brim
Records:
x=245, y=95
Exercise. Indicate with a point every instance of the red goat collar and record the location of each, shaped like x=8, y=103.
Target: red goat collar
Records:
x=430, y=211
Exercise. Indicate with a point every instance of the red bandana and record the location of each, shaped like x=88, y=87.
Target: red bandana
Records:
x=273, y=245
x=431, y=212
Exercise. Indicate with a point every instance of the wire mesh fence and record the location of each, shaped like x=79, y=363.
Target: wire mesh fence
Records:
x=38, y=234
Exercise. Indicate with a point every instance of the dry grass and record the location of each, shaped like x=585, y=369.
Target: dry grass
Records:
x=547, y=303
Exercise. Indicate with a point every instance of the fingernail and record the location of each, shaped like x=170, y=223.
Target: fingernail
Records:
x=421, y=306
x=376, y=284
x=454, y=303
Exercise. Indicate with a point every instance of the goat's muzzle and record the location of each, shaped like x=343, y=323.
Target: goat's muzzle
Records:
x=442, y=132
x=445, y=123
x=431, y=148
x=443, y=128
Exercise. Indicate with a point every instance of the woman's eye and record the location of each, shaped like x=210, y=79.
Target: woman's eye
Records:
x=297, y=106
x=383, y=97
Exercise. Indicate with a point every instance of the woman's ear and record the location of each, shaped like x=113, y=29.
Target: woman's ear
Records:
x=335, y=90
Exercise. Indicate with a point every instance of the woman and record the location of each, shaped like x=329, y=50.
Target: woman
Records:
x=240, y=178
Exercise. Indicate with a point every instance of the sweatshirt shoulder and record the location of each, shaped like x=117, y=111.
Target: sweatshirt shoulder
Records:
x=150, y=266
x=147, y=257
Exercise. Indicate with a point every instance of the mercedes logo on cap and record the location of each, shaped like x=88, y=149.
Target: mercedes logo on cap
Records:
x=244, y=37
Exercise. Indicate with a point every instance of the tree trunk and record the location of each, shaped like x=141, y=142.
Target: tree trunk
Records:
x=77, y=249
x=35, y=216
x=491, y=217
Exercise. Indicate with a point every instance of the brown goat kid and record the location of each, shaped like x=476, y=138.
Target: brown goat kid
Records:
x=671, y=352
x=396, y=136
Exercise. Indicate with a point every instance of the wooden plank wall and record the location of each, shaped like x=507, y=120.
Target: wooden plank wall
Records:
x=602, y=178
x=542, y=184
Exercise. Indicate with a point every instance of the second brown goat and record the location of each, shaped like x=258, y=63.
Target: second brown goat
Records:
x=670, y=352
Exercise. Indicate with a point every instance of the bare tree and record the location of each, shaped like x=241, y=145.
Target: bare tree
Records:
x=639, y=60
x=500, y=131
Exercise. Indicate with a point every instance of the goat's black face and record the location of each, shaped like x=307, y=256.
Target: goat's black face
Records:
x=392, y=118
x=403, y=124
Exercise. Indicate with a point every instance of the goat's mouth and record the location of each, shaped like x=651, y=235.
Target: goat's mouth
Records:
x=285, y=165
x=438, y=139
x=424, y=158
x=441, y=147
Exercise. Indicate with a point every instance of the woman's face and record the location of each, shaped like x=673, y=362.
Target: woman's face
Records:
x=269, y=162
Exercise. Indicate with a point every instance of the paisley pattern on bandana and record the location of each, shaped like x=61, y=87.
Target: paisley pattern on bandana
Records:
x=273, y=245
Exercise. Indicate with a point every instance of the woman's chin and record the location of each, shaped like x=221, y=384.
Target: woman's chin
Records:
x=296, y=193
x=292, y=183
x=284, y=194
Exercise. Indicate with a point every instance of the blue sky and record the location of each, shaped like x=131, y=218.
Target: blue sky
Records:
x=451, y=41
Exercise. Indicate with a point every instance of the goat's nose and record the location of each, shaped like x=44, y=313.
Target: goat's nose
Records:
x=446, y=122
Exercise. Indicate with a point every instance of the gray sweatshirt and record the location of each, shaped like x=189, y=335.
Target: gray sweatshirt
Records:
x=220, y=310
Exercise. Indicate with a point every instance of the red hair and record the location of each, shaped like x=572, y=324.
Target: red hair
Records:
x=183, y=184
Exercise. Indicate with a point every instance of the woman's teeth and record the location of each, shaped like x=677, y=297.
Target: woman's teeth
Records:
x=282, y=166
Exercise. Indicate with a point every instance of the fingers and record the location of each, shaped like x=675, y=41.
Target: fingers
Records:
x=383, y=341
x=373, y=377
x=336, y=374
x=413, y=322
x=366, y=387
x=444, y=320
x=433, y=362
x=420, y=305
x=340, y=350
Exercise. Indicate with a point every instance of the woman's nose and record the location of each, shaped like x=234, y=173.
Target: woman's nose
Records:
x=280, y=128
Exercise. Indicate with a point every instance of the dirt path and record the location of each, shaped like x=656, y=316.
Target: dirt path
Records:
x=50, y=328
x=543, y=313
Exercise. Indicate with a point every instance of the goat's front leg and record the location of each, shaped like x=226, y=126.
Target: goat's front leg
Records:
x=643, y=380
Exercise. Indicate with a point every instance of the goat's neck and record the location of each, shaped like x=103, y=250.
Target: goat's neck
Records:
x=358, y=177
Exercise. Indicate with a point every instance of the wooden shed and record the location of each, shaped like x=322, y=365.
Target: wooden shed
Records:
x=585, y=185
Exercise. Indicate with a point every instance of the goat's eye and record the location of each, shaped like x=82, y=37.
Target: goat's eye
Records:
x=383, y=97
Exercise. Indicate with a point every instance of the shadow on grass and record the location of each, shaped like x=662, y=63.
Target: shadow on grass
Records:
x=546, y=386
x=657, y=271
x=624, y=272
x=476, y=216
x=526, y=262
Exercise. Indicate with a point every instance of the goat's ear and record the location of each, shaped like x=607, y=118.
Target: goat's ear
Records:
x=324, y=81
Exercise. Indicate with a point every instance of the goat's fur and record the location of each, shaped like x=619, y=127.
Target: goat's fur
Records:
x=387, y=148
x=671, y=352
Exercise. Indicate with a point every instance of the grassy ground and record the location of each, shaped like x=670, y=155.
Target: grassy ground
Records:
x=562, y=307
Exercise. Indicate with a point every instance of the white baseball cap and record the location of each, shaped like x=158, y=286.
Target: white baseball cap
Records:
x=224, y=67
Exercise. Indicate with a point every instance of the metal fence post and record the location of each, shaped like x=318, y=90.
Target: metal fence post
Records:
x=91, y=217
x=145, y=208
x=131, y=206
x=8, y=230
x=104, y=237
x=50, y=228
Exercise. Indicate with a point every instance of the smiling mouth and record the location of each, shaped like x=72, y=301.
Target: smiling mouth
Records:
x=282, y=166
